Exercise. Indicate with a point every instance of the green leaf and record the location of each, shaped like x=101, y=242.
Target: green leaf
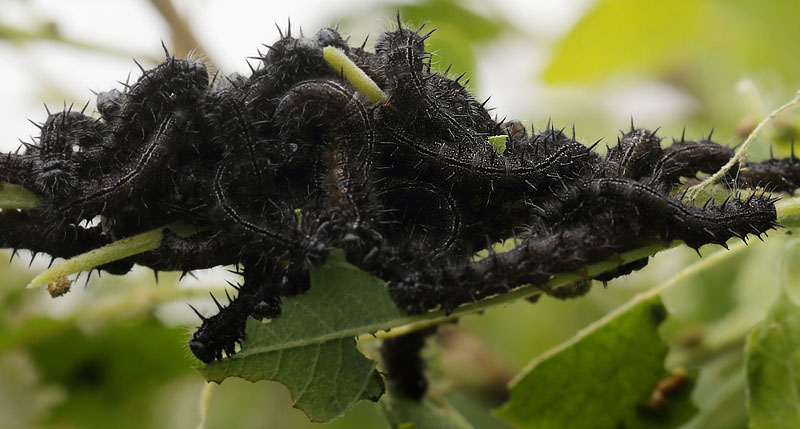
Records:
x=498, y=143
x=756, y=35
x=629, y=35
x=479, y=27
x=773, y=368
x=602, y=378
x=404, y=413
x=311, y=347
x=703, y=46
x=459, y=30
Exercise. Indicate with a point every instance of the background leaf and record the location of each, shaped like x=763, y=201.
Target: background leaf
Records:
x=773, y=367
x=627, y=35
x=702, y=48
x=458, y=30
x=109, y=375
x=311, y=348
x=600, y=379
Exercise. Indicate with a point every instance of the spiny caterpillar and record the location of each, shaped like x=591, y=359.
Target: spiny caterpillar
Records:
x=277, y=168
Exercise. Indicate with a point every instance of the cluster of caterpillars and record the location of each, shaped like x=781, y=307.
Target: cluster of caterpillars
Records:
x=278, y=168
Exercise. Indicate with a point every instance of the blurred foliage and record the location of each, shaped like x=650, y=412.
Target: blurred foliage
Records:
x=402, y=412
x=76, y=366
x=605, y=376
x=701, y=47
x=692, y=38
x=772, y=359
x=110, y=375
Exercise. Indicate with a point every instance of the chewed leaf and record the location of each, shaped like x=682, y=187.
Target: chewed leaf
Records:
x=773, y=367
x=311, y=347
x=571, y=385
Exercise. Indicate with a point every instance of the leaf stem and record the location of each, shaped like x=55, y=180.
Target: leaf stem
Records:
x=119, y=249
x=788, y=214
x=419, y=321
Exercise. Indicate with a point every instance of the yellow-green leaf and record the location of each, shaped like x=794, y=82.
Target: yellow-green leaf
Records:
x=627, y=35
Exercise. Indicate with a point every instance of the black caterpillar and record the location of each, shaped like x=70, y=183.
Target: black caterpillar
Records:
x=277, y=168
x=404, y=366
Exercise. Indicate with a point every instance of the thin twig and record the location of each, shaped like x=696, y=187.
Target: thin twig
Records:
x=204, y=403
x=184, y=42
x=742, y=152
